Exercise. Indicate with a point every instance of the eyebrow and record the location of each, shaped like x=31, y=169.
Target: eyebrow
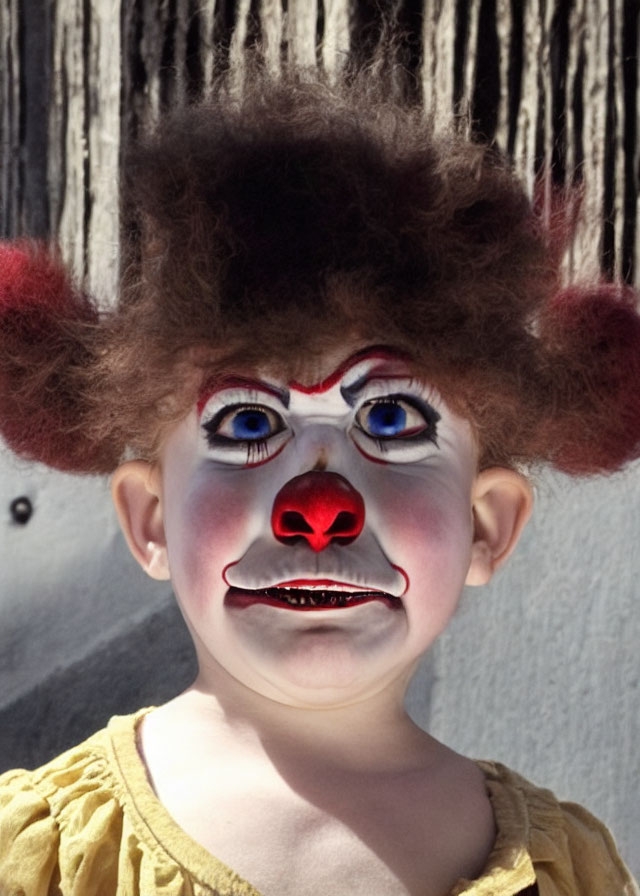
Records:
x=377, y=352
x=236, y=382
x=351, y=393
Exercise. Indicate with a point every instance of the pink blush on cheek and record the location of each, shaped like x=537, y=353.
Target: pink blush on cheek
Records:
x=427, y=525
x=212, y=530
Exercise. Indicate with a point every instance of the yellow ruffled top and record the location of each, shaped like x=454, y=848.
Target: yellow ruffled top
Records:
x=89, y=824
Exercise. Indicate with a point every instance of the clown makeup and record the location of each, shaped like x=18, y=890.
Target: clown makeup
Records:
x=391, y=418
x=318, y=535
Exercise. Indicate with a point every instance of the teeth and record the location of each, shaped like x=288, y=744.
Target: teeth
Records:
x=299, y=597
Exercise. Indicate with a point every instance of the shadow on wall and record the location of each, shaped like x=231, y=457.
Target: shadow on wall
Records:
x=148, y=665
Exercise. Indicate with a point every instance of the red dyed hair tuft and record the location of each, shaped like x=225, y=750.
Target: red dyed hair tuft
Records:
x=593, y=336
x=44, y=361
x=31, y=278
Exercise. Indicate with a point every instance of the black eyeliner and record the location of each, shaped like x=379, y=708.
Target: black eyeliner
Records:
x=431, y=417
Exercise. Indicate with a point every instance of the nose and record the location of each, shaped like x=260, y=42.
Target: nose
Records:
x=321, y=507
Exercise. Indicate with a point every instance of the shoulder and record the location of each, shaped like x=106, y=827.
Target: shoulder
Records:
x=571, y=851
x=39, y=809
x=72, y=827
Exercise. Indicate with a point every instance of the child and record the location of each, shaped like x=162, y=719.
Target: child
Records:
x=340, y=341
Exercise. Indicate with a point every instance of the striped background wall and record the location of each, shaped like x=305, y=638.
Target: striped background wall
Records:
x=553, y=82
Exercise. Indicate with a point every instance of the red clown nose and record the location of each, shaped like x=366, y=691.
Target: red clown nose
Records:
x=321, y=507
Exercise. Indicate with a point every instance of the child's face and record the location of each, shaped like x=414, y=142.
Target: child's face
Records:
x=318, y=536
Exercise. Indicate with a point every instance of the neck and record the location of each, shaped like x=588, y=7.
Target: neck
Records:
x=230, y=715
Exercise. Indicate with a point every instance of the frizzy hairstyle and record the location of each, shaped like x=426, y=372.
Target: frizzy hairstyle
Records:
x=261, y=230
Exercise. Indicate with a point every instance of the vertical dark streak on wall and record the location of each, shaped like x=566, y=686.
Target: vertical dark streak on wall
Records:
x=224, y=23
x=194, y=74
x=539, y=154
x=559, y=55
x=86, y=86
x=253, y=26
x=577, y=112
x=134, y=72
x=609, y=137
x=284, y=48
x=8, y=139
x=168, y=61
x=539, y=160
x=21, y=122
x=366, y=29
x=409, y=21
x=35, y=79
x=56, y=121
x=133, y=86
x=516, y=61
x=631, y=185
x=320, y=25
x=369, y=24
x=64, y=124
x=486, y=89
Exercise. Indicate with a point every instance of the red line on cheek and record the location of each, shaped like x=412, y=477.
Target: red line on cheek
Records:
x=404, y=576
x=265, y=460
x=224, y=572
x=374, y=460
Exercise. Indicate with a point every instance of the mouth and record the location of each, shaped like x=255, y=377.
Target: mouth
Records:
x=310, y=596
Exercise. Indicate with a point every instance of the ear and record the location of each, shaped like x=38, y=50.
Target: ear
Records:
x=136, y=489
x=501, y=501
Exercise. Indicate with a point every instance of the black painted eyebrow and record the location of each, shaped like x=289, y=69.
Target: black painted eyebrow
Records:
x=284, y=395
x=351, y=393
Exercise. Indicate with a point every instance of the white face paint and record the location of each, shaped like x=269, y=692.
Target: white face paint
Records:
x=303, y=616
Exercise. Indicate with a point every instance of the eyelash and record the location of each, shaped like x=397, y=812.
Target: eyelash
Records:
x=256, y=449
x=429, y=414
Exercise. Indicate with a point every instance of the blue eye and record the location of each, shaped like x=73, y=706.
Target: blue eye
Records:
x=398, y=417
x=251, y=423
x=238, y=424
x=385, y=418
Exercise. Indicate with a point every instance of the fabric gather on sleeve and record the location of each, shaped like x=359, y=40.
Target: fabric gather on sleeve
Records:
x=560, y=846
x=29, y=838
x=72, y=828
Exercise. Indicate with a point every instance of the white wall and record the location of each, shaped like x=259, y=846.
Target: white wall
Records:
x=540, y=670
x=67, y=581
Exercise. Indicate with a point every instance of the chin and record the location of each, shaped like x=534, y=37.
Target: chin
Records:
x=325, y=675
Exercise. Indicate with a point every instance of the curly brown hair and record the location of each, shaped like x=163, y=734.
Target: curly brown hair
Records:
x=262, y=229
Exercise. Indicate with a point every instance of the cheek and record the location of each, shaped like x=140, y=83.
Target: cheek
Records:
x=215, y=523
x=426, y=523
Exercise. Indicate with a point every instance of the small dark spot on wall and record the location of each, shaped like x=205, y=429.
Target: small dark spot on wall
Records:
x=21, y=510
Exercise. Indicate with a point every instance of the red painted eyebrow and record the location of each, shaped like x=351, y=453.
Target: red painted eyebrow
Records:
x=380, y=352
x=377, y=352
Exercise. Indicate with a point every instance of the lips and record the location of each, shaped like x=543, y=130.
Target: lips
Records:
x=361, y=567
x=310, y=596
